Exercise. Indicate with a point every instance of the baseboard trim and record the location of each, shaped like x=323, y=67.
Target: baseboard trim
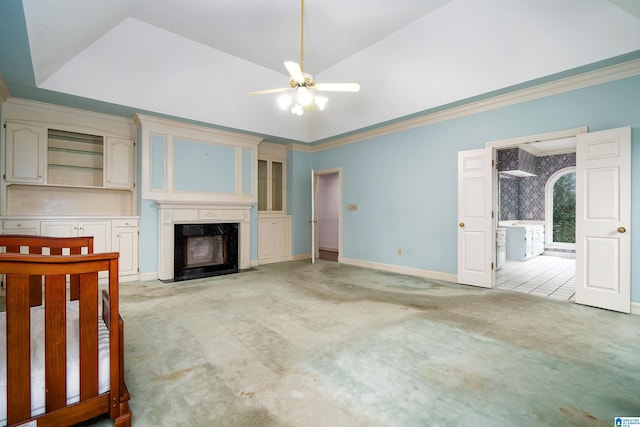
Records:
x=148, y=276
x=299, y=257
x=418, y=272
x=635, y=308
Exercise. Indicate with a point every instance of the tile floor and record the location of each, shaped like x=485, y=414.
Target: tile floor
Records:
x=549, y=276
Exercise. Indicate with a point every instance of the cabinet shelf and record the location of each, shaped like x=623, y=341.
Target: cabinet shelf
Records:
x=63, y=166
x=76, y=151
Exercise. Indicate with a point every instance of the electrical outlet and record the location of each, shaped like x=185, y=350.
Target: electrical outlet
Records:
x=353, y=207
x=399, y=251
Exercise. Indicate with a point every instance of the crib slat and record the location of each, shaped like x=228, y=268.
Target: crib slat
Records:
x=18, y=349
x=55, y=342
x=88, y=335
x=74, y=280
x=35, y=291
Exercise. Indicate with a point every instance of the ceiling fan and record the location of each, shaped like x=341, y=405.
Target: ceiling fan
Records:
x=304, y=84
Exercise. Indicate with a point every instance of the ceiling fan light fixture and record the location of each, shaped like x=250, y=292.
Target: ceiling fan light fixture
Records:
x=320, y=102
x=297, y=110
x=284, y=101
x=304, y=97
x=304, y=85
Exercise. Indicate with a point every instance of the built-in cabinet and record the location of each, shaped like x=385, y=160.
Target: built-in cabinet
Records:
x=125, y=238
x=524, y=242
x=25, y=153
x=37, y=155
x=274, y=238
x=69, y=173
x=109, y=234
x=274, y=225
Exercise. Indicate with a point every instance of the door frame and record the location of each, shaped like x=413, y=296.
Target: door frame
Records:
x=516, y=142
x=314, y=213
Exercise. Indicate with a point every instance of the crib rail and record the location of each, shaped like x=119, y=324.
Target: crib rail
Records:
x=52, y=271
x=16, y=243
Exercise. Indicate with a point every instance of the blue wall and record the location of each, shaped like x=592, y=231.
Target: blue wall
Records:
x=405, y=184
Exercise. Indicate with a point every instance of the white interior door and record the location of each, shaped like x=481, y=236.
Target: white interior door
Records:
x=314, y=219
x=603, y=219
x=475, y=222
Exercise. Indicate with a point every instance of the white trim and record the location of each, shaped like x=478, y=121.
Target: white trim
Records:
x=546, y=136
x=331, y=171
x=67, y=118
x=173, y=212
x=171, y=131
x=635, y=308
x=427, y=274
x=148, y=276
x=4, y=90
x=567, y=84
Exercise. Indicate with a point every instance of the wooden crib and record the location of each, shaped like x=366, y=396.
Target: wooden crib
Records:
x=32, y=275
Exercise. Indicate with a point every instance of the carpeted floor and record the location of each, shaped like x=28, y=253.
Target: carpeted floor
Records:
x=296, y=344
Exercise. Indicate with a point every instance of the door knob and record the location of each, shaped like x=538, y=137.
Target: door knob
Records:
x=461, y=224
x=621, y=229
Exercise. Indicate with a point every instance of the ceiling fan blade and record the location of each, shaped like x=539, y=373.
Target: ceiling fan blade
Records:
x=295, y=71
x=337, y=87
x=267, y=91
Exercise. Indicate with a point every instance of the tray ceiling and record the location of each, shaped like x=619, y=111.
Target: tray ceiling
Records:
x=197, y=59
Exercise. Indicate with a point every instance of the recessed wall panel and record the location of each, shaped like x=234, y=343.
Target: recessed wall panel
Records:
x=202, y=167
x=157, y=161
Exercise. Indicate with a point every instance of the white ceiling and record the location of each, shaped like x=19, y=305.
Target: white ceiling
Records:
x=197, y=59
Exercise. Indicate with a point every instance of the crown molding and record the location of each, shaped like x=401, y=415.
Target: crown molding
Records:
x=567, y=84
x=294, y=146
x=206, y=133
x=29, y=111
x=4, y=90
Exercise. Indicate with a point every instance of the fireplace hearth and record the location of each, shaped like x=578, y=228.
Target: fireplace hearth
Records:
x=203, y=250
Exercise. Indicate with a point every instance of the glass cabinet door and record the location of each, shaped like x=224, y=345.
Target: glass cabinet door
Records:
x=276, y=186
x=262, y=185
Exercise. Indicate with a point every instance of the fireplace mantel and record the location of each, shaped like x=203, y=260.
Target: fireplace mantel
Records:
x=176, y=212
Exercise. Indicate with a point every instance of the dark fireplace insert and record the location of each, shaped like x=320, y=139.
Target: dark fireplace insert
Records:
x=203, y=250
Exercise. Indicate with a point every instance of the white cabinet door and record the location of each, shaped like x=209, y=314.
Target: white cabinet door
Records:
x=25, y=153
x=281, y=238
x=119, y=163
x=274, y=239
x=265, y=239
x=100, y=230
x=125, y=241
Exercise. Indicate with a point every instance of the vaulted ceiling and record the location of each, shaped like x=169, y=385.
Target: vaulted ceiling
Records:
x=197, y=59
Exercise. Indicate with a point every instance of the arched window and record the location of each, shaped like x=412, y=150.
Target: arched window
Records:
x=560, y=209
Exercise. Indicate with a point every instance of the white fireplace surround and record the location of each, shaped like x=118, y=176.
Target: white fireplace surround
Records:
x=172, y=213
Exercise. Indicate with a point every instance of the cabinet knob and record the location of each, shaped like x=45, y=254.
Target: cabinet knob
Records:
x=621, y=230
x=461, y=225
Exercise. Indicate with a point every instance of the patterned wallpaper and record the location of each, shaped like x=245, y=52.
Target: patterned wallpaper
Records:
x=523, y=198
x=516, y=159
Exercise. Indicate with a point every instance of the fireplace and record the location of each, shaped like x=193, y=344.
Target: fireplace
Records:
x=203, y=250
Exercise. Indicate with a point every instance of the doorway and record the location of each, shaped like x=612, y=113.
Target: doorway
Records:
x=535, y=244
x=327, y=215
